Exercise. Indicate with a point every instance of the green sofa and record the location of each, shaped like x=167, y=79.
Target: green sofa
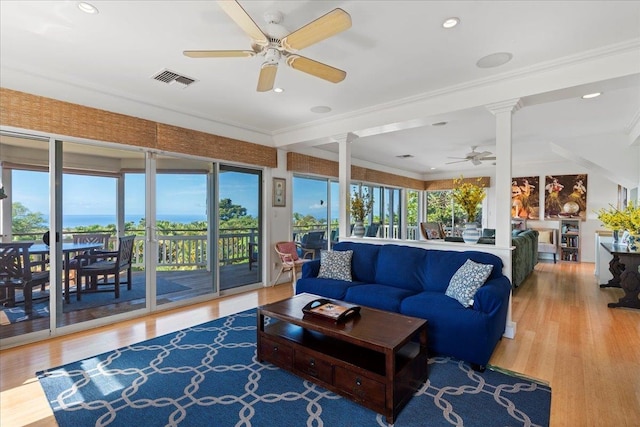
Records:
x=525, y=254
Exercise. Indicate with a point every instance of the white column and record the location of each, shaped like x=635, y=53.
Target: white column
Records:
x=503, y=112
x=5, y=206
x=344, y=179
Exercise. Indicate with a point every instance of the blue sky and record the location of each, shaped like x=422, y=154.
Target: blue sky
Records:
x=178, y=194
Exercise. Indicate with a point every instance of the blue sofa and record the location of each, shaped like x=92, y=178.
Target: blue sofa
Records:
x=413, y=281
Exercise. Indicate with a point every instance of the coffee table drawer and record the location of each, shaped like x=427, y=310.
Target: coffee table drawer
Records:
x=361, y=389
x=310, y=365
x=276, y=353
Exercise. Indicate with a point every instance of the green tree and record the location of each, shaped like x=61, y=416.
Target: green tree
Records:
x=25, y=221
x=229, y=211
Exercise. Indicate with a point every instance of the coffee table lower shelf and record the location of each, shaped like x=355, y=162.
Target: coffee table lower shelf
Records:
x=346, y=368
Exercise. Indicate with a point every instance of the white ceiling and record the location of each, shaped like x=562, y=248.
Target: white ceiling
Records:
x=404, y=72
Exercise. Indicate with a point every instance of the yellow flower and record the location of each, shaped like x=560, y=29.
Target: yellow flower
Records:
x=361, y=205
x=468, y=196
x=626, y=219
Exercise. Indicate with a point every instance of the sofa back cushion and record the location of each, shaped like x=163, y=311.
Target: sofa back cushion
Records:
x=363, y=261
x=402, y=267
x=442, y=265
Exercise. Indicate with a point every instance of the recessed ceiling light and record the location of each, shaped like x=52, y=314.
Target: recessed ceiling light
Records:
x=432, y=169
x=87, y=8
x=320, y=109
x=439, y=124
x=278, y=90
x=591, y=95
x=450, y=22
x=494, y=60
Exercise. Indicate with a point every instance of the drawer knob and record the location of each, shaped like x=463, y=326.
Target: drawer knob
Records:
x=275, y=348
x=312, y=362
x=358, y=381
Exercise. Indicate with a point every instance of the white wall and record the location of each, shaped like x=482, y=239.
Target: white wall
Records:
x=278, y=219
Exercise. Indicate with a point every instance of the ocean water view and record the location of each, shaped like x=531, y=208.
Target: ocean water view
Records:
x=72, y=221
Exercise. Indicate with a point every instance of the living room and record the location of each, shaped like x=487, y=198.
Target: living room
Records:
x=601, y=141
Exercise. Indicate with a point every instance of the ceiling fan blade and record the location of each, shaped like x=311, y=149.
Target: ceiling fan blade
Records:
x=218, y=53
x=487, y=158
x=463, y=158
x=315, y=68
x=244, y=21
x=457, y=161
x=483, y=154
x=267, y=77
x=476, y=162
x=324, y=27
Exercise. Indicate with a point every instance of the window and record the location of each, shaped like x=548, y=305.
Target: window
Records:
x=442, y=208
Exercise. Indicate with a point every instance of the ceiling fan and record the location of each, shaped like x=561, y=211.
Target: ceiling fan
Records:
x=277, y=43
x=474, y=157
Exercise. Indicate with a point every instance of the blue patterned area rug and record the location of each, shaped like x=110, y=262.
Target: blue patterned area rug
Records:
x=208, y=375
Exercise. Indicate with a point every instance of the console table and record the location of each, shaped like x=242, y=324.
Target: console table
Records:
x=625, y=268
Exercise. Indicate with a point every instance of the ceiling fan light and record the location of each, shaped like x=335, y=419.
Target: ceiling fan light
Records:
x=450, y=22
x=591, y=95
x=88, y=8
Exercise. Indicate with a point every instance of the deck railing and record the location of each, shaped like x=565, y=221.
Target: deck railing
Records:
x=235, y=246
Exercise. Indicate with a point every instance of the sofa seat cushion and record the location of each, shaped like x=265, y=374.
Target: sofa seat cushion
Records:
x=448, y=321
x=328, y=288
x=378, y=296
x=402, y=267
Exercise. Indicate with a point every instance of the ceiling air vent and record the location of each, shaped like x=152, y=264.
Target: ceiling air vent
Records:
x=405, y=156
x=171, y=77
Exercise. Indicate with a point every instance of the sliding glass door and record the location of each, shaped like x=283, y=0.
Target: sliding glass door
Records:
x=239, y=227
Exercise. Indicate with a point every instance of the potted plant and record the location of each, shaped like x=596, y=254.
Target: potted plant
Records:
x=625, y=219
x=361, y=205
x=468, y=196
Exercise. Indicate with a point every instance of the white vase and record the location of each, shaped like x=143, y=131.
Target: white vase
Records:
x=471, y=233
x=358, y=229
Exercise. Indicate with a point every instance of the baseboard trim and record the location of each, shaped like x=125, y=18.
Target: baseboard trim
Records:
x=510, y=330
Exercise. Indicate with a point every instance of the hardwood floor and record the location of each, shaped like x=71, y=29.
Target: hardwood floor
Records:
x=566, y=335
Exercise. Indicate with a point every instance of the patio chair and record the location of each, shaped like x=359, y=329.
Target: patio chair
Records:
x=288, y=253
x=372, y=230
x=105, y=263
x=15, y=273
x=312, y=243
x=101, y=238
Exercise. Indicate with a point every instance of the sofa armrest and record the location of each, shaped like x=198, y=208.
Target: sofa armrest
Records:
x=492, y=295
x=311, y=268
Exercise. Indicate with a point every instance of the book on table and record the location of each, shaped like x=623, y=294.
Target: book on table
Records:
x=326, y=309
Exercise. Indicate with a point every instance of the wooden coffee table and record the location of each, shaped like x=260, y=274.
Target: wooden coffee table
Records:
x=371, y=359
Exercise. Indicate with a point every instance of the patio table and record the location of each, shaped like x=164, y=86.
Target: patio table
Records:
x=67, y=250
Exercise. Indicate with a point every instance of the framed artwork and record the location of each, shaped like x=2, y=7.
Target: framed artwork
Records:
x=565, y=196
x=525, y=197
x=279, y=192
x=432, y=230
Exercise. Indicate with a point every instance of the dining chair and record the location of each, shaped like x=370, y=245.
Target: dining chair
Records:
x=101, y=238
x=105, y=263
x=15, y=273
x=289, y=260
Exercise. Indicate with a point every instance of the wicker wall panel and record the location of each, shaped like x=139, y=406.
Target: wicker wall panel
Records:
x=447, y=184
x=23, y=110
x=28, y=111
x=308, y=164
x=188, y=141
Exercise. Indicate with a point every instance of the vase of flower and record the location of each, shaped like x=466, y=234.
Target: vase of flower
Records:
x=361, y=205
x=471, y=233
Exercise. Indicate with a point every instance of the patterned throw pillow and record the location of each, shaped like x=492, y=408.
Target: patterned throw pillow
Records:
x=467, y=280
x=336, y=265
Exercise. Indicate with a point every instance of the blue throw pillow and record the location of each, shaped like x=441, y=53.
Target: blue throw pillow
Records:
x=467, y=280
x=335, y=265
